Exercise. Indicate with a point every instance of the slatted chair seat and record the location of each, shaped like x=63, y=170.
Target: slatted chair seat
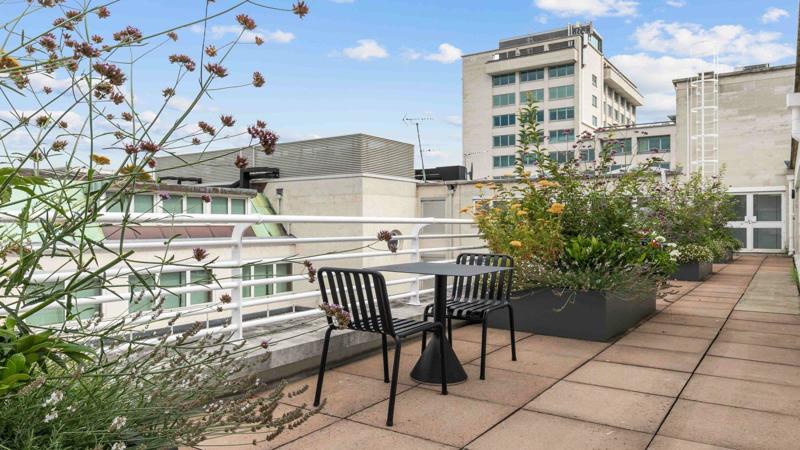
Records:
x=474, y=298
x=362, y=293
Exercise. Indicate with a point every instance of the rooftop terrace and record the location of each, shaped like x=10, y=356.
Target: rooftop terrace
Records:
x=717, y=367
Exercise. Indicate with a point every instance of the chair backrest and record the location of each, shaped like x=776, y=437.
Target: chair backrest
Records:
x=362, y=293
x=490, y=286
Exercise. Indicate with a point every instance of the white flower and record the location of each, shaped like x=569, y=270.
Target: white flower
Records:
x=661, y=239
x=118, y=446
x=51, y=416
x=55, y=397
x=117, y=423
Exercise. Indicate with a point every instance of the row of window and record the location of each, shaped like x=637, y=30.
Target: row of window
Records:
x=164, y=281
x=533, y=75
x=506, y=120
x=645, y=145
x=561, y=157
x=555, y=136
x=535, y=95
x=179, y=204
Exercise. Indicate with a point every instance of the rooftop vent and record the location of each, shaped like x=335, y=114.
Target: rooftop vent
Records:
x=755, y=67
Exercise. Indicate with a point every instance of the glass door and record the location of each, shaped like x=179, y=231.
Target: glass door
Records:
x=759, y=221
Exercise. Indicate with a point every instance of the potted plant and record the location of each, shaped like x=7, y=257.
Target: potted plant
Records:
x=694, y=262
x=584, y=265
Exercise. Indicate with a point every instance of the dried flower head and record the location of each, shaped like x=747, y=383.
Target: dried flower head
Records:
x=227, y=121
x=97, y=39
x=117, y=98
x=151, y=163
x=63, y=124
x=211, y=51
x=103, y=12
x=264, y=345
x=240, y=162
x=206, y=198
x=206, y=128
x=340, y=317
x=86, y=49
x=265, y=137
x=385, y=235
x=164, y=195
x=131, y=149
x=258, y=40
x=187, y=62
x=128, y=34
x=258, y=79
x=168, y=92
x=225, y=298
x=300, y=9
x=246, y=21
x=126, y=116
x=58, y=145
x=199, y=253
x=172, y=35
x=119, y=135
x=101, y=160
x=47, y=90
x=195, y=141
x=217, y=70
x=42, y=121
x=149, y=146
x=111, y=72
x=310, y=270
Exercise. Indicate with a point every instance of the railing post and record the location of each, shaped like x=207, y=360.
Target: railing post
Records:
x=414, y=299
x=237, y=314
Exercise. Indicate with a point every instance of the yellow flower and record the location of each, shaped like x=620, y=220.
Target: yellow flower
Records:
x=515, y=244
x=548, y=183
x=479, y=185
x=7, y=61
x=515, y=206
x=556, y=208
x=465, y=210
x=522, y=212
x=527, y=174
x=101, y=160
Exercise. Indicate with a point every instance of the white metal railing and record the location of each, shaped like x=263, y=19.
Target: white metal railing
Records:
x=235, y=310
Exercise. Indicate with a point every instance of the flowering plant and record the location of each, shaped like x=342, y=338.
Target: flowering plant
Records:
x=693, y=253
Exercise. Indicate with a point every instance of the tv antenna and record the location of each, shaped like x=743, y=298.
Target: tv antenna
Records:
x=416, y=121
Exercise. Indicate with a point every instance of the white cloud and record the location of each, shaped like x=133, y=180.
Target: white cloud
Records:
x=248, y=37
x=453, y=120
x=39, y=80
x=410, y=54
x=653, y=76
x=593, y=8
x=735, y=44
x=541, y=18
x=773, y=15
x=447, y=54
x=366, y=49
x=676, y=3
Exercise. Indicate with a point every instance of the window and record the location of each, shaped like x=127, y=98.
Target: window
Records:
x=56, y=313
x=586, y=154
x=567, y=91
x=172, y=205
x=219, y=205
x=616, y=115
x=263, y=271
x=142, y=203
x=504, y=79
x=561, y=71
x=194, y=205
x=562, y=156
x=566, y=113
x=619, y=146
x=504, y=161
x=562, y=135
x=539, y=116
x=169, y=281
x=594, y=121
x=200, y=277
x=594, y=80
x=529, y=160
x=536, y=95
x=531, y=75
x=503, y=99
x=594, y=101
x=238, y=206
x=147, y=285
x=610, y=110
x=661, y=165
x=653, y=144
x=504, y=120
x=505, y=140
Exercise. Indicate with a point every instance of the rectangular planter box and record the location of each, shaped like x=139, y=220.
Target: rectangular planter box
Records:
x=593, y=315
x=727, y=259
x=693, y=271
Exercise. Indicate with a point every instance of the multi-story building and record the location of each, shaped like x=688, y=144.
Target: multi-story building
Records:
x=564, y=71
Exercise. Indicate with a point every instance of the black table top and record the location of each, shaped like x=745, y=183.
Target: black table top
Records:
x=448, y=269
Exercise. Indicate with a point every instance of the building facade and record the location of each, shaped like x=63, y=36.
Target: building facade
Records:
x=563, y=71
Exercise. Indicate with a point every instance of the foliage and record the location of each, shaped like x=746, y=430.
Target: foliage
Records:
x=572, y=225
x=694, y=253
x=82, y=142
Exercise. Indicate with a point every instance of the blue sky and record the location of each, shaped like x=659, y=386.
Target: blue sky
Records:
x=362, y=65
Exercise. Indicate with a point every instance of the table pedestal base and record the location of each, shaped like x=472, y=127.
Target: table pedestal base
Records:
x=428, y=369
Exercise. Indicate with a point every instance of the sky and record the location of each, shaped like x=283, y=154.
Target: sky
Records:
x=361, y=66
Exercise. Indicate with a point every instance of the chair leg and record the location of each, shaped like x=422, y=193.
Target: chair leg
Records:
x=322, y=366
x=483, y=347
x=441, y=359
x=424, y=333
x=393, y=389
x=385, y=359
x=511, y=329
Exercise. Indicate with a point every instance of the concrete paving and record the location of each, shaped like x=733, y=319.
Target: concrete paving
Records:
x=717, y=367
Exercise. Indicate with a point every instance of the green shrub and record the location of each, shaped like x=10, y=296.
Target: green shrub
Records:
x=694, y=253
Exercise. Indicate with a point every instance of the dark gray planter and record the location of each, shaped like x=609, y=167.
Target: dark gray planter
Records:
x=593, y=315
x=726, y=259
x=693, y=271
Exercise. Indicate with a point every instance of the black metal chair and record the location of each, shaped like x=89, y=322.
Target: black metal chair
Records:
x=363, y=294
x=474, y=298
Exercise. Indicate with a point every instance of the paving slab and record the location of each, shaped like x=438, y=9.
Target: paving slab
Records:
x=668, y=443
x=500, y=386
x=372, y=367
x=447, y=419
x=690, y=310
x=750, y=370
x=766, y=317
x=633, y=378
x=536, y=363
x=349, y=435
x=670, y=329
x=665, y=342
x=465, y=350
x=494, y=336
x=765, y=327
x=536, y=431
x=680, y=319
x=615, y=407
x=756, y=395
x=650, y=357
x=561, y=346
x=759, y=338
x=756, y=353
x=731, y=427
